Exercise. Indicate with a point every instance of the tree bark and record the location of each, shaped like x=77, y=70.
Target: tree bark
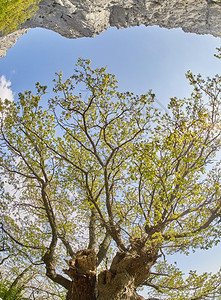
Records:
x=82, y=271
x=127, y=271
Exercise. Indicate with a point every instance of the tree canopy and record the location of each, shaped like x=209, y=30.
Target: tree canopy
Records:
x=9, y=292
x=13, y=13
x=108, y=179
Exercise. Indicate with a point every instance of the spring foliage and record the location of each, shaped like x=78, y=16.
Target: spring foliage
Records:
x=8, y=292
x=110, y=165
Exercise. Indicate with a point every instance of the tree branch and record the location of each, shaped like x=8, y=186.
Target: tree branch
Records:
x=18, y=242
x=92, y=229
x=104, y=247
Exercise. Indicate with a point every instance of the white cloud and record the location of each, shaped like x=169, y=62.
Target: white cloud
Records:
x=5, y=91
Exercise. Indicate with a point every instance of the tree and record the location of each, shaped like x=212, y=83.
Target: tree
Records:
x=13, y=13
x=9, y=292
x=108, y=179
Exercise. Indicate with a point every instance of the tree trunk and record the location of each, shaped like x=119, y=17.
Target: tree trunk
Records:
x=82, y=271
x=83, y=288
x=127, y=271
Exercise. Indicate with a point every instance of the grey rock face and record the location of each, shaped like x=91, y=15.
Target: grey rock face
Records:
x=86, y=18
x=9, y=40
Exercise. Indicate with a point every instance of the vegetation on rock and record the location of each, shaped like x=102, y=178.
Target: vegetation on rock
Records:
x=13, y=13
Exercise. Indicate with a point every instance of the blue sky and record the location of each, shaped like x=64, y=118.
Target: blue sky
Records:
x=142, y=58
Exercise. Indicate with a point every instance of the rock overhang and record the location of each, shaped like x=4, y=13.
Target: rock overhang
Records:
x=87, y=18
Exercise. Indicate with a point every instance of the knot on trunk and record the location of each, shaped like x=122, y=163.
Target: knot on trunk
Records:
x=129, y=269
x=82, y=262
x=82, y=271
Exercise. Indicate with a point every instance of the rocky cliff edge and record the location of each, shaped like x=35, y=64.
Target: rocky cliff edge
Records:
x=86, y=18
